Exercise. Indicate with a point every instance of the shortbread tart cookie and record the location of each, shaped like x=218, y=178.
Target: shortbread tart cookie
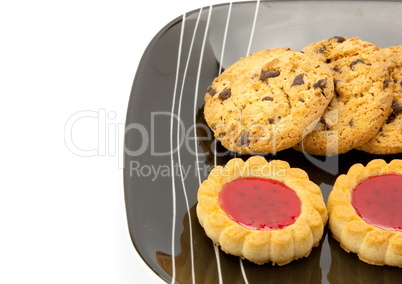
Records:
x=389, y=139
x=268, y=101
x=362, y=100
x=262, y=211
x=365, y=212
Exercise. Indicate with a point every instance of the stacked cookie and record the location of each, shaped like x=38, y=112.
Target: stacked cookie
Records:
x=389, y=138
x=334, y=96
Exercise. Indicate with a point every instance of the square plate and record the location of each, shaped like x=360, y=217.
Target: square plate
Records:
x=169, y=149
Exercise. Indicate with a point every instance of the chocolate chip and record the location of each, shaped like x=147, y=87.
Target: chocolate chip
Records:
x=396, y=107
x=336, y=69
x=244, y=139
x=336, y=82
x=301, y=100
x=268, y=98
x=328, y=61
x=326, y=125
x=386, y=83
x=336, y=93
x=322, y=49
x=298, y=80
x=225, y=94
x=211, y=91
x=351, y=123
x=396, y=110
x=271, y=120
x=339, y=39
x=320, y=84
x=222, y=134
x=269, y=74
x=356, y=61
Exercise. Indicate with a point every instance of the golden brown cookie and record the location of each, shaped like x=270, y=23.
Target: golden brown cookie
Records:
x=362, y=100
x=268, y=101
x=389, y=139
x=365, y=212
x=262, y=211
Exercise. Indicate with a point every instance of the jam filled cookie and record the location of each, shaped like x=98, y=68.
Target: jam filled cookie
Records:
x=363, y=95
x=389, y=139
x=262, y=211
x=365, y=212
x=268, y=101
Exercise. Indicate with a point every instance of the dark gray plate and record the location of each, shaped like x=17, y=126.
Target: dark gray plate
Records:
x=169, y=150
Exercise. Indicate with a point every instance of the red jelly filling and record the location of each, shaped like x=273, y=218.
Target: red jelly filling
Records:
x=260, y=204
x=378, y=201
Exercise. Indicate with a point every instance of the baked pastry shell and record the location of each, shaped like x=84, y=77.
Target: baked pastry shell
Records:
x=276, y=246
x=372, y=244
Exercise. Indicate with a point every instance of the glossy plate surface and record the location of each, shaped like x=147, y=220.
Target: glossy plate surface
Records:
x=169, y=150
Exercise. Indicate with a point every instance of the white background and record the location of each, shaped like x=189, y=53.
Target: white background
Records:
x=62, y=215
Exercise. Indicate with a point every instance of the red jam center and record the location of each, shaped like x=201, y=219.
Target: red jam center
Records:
x=378, y=201
x=260, y=204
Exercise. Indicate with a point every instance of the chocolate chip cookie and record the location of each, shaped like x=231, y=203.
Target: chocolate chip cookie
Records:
x=362, y=100
x=268, y=101
x=389, y=139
